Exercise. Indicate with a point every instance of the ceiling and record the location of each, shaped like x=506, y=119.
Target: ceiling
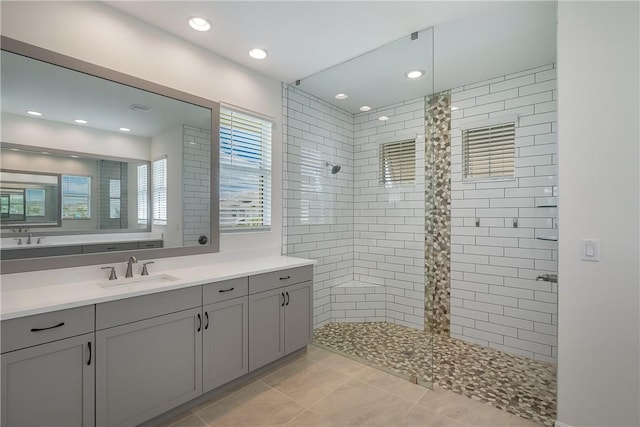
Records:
x=472, y=41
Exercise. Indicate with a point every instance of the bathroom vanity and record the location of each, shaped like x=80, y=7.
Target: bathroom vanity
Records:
x=125, y=352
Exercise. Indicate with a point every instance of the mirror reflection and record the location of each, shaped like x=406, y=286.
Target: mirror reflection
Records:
x=29, y=199
x=132, y=167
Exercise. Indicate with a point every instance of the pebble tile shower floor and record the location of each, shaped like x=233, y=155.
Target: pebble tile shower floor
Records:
x=515, y=384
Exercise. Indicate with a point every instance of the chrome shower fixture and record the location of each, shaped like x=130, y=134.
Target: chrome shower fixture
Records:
x=334, y=168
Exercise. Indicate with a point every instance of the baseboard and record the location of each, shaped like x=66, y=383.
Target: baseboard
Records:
x=561, y=424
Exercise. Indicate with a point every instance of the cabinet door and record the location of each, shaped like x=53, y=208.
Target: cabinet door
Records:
x=49, y=384
x=266, y=327
x=297, y=311
x=225, y=342
x=147, y=367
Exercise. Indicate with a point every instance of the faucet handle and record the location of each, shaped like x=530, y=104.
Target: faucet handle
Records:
x=112, y=275
x=145, y=271
x=18, y=239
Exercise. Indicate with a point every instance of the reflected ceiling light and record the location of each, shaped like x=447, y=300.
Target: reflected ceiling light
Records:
x=454, y=108
x=125, y=129
x=14, y=149
x=383, y=118
x=34, y=113
x=199, y=24
x=82, y=122
x=140, y=108
x=365, y=108
x=414, y=74
x=257, y=53
x=342, y=96
x=73, y=156
x=44, y=152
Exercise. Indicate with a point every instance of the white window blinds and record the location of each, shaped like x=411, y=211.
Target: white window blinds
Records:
x=143, y=193
x=397, y=162
x=245, y=172
x=159, y=180
x=489, y=151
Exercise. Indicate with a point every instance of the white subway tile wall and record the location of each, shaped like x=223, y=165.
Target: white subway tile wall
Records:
x=495, y=299
x=318, y=205
x=196, y=181
x=389, y=221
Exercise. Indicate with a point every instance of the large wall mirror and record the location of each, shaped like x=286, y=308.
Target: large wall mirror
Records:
x=94, y=161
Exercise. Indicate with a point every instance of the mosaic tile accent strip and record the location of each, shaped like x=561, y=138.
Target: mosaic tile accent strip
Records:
x=515, y=384
x=438, y=212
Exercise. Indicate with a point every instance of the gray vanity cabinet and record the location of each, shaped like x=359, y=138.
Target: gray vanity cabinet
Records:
x=225, y=342
x=147, y=367
x=279, y=318
x=48, y=369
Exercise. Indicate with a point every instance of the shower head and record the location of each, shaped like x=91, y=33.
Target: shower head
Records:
x=334, y=168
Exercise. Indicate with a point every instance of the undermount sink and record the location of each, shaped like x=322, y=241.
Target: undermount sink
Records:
x=156, y=279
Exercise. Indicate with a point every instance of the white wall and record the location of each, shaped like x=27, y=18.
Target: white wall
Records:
x=495, y=299
x=599, y=324
x=78, y=29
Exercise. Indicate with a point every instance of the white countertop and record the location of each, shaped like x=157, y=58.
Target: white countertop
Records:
x=20, y=296
x=76, y=239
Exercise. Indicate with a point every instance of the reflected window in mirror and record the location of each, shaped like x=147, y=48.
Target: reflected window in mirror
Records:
x=76, y=197
x=143, y=193
x=245, y=172
x=159, y=178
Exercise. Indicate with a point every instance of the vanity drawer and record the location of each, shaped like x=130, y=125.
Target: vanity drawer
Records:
x=223, y=291
x=109, y=247
x=276, y=279
x=129, y=310
x=42, y=328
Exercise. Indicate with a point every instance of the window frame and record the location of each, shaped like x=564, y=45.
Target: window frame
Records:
x=488, y=123
x=155, y=210
x=385, y=180
x=264, y=172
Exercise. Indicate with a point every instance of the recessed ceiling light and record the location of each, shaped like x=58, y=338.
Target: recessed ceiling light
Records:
x=342, y=96
x=199, y=24
x=414, y=74
x=365, y=108
x=258, y=53
x=383, y=118
x=82, y=122
x=454, y=108
x=125, y=129
x=34, y=113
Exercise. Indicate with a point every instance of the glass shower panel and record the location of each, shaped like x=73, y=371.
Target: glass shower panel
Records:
x=355, y=200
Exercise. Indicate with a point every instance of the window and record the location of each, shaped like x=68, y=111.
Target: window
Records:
x=159, y=191
x=143, y=194
x=76, y=197
x=397, y=162
x=488, y=152
x=245, y=172
x=114, y=198
x=34, y=203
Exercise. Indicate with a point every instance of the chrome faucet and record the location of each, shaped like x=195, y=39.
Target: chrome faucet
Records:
x=29, y=239
x=132, y=260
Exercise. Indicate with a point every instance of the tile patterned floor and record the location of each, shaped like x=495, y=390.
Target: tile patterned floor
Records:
x=323, y=388
x=519, y=385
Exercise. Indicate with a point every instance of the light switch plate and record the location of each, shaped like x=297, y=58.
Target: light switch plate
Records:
x=590, y=250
